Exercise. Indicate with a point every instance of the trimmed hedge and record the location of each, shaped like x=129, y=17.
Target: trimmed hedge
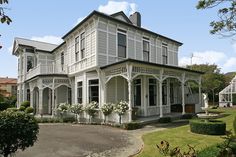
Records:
x=211, y=127
x=48, y=120
x=165, y=120
x=187, y=116
x=132, y=126
x=29, y=110
x=25, y=104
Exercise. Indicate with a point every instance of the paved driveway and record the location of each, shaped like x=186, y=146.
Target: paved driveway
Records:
x=67, y=140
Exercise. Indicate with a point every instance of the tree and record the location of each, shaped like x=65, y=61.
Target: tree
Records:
x=226, y=24
x=76, y=109
x=18, y=130
x=3, y=17
x=212, y=81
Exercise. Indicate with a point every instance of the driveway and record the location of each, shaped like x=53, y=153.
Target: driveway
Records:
x=67, y=140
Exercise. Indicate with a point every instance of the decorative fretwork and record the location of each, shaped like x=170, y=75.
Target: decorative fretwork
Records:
x=145, y=70
x=192, y=77
x=172, y=73
x=116, y=71
x=47, y=81
x=63, y=81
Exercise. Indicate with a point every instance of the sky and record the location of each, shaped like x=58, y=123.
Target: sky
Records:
x=49, y=20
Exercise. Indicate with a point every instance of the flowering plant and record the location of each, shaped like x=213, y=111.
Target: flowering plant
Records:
x=76, y=108
x=63, y=107
x=91, y=108
x=121, y=107
x=107, y=109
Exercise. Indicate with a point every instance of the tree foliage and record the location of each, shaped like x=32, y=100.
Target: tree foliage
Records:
x=18, y=130
x=3, y=17
x=212, y=81
x=226, y=24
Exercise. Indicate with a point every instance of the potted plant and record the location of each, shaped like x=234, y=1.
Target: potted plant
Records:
x=121, y=108
x=107, y=110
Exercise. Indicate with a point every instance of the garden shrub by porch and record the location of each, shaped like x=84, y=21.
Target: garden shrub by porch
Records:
x=211, y=127
x=29, y=110
x=132, y=126
x=25, y=104
x=68, y=119
x=22, y=108
x=3, y=106
x=13, y=109
x=187, y=116
x=165, y=120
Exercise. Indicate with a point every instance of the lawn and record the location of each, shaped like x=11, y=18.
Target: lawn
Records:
x=181, y=136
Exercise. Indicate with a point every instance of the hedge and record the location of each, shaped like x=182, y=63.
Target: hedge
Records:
x=187, y=116
x=234, y=125
x=211, y=127
x=165, y=120
x=132, y=126
x=25, y=104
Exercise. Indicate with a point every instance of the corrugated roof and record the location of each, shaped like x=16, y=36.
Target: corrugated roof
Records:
x=36, y=44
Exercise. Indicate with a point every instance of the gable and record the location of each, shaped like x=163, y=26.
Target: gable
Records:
x=121, y=16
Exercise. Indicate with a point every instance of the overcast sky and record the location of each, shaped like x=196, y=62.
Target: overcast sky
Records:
x=49, y=20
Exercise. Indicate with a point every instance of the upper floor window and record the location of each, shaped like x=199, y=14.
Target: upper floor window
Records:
x=164, y=54
x=62, y=58
x=121, y=45
x=77, y=48
x=30, y=62
x=146, y=50
x=82, y=45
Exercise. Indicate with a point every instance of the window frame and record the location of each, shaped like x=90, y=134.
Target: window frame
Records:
x=164, y=54
x=121, y=32
x=82, y=43
x=80, y=87
x=138, y=83
x=62, y=58
x=155, y=92
x=89, y=90
x=146, y=51
x=77, y=48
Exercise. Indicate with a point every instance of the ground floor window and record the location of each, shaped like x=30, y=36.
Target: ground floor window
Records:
x=69, y=95
x=94, y=90
x=164, y=93
x=137, y=92
x=152, y=92
x=28, y=95
x=79, y=92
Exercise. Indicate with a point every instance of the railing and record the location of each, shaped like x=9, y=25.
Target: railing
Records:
x=78, y=66
x=45, y=69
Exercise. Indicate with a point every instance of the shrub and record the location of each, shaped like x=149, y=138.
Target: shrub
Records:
x=48, y=120
x=63, y=107
x=234, y=125
x=91, y=109
x=18, y=131
x=29, y=110
x=165, y=120
x=22, y=108
x=211, y=127
x=3, y=106
x=13, y=109
x=187, y=116
x=107, y=110
x=76, y=109
x=25, y=104
x=121, y=109
x=132, y=126
x=68, y=119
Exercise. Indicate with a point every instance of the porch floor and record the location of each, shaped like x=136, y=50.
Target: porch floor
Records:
x=153, y=119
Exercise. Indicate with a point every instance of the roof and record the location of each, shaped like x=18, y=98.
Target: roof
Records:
x=6, y=80
x=39, y=45
x=154, y=64
x=120, y=21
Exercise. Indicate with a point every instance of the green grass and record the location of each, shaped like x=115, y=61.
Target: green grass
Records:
x=181, y=136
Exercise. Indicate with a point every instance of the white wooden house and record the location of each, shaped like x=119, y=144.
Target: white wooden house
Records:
x=107, y=58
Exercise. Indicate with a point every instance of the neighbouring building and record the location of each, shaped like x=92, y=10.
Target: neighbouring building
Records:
x=107, y=58
x=8, y=86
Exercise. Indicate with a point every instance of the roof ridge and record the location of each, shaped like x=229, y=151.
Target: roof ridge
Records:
x=36, y=41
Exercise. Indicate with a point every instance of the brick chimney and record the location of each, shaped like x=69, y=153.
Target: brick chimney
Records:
x=135, y=18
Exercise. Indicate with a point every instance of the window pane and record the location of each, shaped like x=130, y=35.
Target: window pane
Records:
x=121, y=39
x=146, y=56
x=145, y=46
x=121, y=51
x=93, y=82
x=62, y=58
x=79, y=92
